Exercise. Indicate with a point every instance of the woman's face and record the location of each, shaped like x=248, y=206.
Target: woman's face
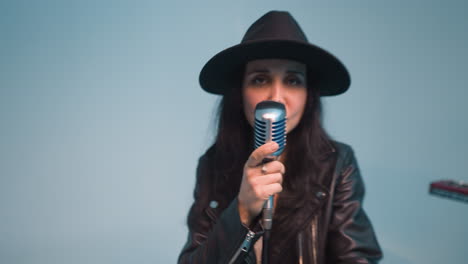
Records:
x=278, y=80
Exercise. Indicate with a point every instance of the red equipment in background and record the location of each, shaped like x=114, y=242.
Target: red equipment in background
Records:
x=457, y=190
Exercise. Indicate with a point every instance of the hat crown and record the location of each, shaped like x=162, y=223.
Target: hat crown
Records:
x=275, y=25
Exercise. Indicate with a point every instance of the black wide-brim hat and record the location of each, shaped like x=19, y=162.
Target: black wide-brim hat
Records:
x=276, y=35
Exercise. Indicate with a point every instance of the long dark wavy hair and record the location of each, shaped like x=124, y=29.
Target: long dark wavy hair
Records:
x=234, y=143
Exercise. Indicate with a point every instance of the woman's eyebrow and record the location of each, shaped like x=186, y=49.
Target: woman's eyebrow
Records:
x=263, y=70
x=296, y=72
x=259, y=70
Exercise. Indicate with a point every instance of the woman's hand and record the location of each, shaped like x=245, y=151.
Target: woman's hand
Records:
x=257, y=184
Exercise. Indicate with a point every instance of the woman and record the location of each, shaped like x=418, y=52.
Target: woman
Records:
x=316, y=183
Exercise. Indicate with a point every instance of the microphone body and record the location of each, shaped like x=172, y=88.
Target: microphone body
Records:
x=270, y=125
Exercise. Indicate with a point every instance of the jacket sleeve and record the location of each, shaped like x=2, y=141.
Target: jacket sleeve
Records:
x=351, y=238
x=212, y=240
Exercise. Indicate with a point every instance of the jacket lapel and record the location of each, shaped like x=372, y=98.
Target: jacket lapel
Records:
x=292, y=215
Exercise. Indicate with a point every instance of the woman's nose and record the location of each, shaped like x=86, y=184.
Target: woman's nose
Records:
x=276, y=92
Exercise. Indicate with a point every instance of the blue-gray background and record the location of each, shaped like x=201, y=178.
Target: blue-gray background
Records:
x=102, y=120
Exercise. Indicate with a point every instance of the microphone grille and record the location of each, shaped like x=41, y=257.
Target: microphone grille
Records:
x=270, y=125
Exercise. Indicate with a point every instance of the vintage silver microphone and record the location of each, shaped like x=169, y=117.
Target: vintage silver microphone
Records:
x=270, y=125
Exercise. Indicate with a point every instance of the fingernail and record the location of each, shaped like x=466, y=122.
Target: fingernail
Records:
x=273, y=146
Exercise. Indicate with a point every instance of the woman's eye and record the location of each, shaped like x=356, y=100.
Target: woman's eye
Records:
x=259, y=80
x=294, y=81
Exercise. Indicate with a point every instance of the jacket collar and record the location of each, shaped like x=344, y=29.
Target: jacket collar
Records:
x=327, y=148
x=294, y=214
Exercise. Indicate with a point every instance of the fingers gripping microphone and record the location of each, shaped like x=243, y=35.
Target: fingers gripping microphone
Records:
x=270, y=125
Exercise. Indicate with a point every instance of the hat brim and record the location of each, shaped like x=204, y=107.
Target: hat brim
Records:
x=330, y=76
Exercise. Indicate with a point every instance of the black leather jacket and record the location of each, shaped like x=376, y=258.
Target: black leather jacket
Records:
x=327, y=226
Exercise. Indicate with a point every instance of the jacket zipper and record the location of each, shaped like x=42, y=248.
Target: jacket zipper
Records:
x=314, y=239
x=245, y=246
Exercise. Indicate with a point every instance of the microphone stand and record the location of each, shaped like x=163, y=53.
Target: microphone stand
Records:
x=267, y=219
